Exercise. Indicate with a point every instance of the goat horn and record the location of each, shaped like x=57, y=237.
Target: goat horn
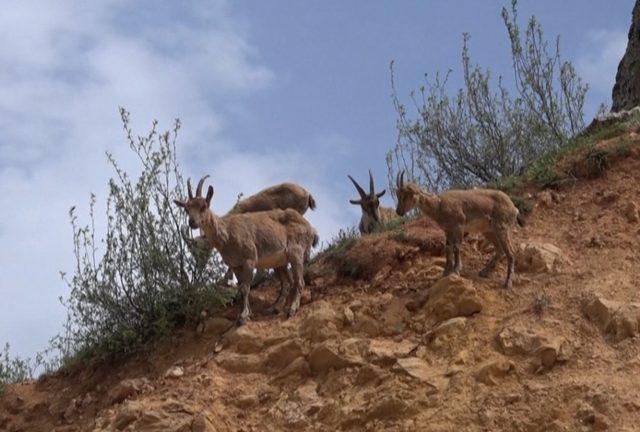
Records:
x=402, y=178
x=371, y=187
x=360, y=190
x=189, y=188
x=199, y=187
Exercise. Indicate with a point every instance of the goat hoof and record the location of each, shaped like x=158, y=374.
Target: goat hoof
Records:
x=242, y=321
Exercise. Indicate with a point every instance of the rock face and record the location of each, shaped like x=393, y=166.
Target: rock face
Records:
x=626, y=90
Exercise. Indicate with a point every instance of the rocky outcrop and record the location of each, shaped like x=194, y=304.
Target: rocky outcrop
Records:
x=626, y=90
x=537, y=257
x=618, y=320
x=451, y=297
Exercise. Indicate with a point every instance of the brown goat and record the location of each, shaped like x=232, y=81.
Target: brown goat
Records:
x=486, y=211
x=373, y=215
x=270, y=239
x=281, y=196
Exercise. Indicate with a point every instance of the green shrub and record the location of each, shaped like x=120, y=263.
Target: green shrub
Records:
x=139, y=282
x=482, y=133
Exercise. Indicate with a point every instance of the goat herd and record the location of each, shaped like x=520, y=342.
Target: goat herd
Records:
x=268, y=231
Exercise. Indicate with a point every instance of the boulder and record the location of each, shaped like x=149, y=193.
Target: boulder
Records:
x=281, y=355
x=174, y=372
x=539, y=258
x=451, y=297
x=239, y=363
x=618, y=320
x=492, y=370
x=419, y=369
x=447, y=330
x=201, y=423
x=325, y=357
x=547, y=350
x=320, y=322
x=128, y=388
x=385, y=352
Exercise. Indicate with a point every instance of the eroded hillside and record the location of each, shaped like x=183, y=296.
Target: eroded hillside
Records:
x=382, y=343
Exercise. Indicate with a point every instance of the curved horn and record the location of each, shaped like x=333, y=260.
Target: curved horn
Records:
x=402, y=178
x=189, y=188
x=199, y=187
x=361, y=191
x=371, y=188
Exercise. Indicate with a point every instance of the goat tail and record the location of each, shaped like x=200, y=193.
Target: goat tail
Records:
x=312, y=202
x=316, y=240
x=521, y=220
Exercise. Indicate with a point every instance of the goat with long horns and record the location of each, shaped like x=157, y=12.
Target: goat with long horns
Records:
x=373, y=214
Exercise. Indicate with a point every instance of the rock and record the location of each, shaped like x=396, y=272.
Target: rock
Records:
x=124, y=418
x=325, y=357
x=451, y=297
x=280, y=356
x=605, y=198
x=389, y=407
x=547, y=350
x=320, y=322
x=626, y=90
x=385, y=352
x=247, y=401
x=617, y=319
x=366, y=325
x=349, y=316
x=545, y=199
x=630, y=211
x=298, y=367
x=447, y=330
x=490, y=371
x=239, y=363
x=174, y=372
x=419, y=369
x=127, y=388
x=539, y=258
x=245, y=340
x=201, y=423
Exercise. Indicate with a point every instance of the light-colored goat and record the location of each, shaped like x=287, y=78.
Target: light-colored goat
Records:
x=262, y=240
x=281, y=196
x=373, y=214
x=486, y=211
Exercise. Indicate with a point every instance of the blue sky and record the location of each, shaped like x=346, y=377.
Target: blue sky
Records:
x=267, y=92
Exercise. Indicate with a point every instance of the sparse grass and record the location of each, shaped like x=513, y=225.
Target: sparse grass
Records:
x=522, y=204
x=543, y=172
x=340, y=244
x=540, y=304
x=13, y=369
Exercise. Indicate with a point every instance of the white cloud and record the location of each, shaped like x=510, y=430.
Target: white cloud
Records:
x=599, y=62
x=66, y=67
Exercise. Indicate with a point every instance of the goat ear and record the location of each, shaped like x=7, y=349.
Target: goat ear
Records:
x=355, y=202
x=178, y=203
x=379, y=194
x=209, y=194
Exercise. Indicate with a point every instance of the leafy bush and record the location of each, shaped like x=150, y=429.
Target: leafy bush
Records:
x=144, y=283
x=483, y=133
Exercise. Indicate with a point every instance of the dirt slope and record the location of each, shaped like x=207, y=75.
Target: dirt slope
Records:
x=394, y=349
